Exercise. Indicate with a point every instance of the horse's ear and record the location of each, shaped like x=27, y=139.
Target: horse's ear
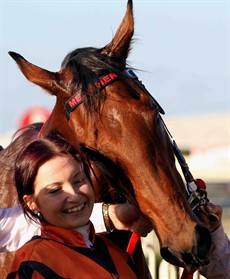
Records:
x=120, y=44
x=45, y=79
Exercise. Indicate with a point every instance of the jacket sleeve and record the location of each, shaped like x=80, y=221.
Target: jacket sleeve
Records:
x=219, y=266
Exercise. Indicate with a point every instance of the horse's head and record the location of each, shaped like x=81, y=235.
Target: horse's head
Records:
x=100, y=105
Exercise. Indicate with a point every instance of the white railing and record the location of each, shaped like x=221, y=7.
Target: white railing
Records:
x=162, y=270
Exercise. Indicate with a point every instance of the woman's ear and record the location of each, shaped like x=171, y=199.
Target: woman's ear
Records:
x=31, y=203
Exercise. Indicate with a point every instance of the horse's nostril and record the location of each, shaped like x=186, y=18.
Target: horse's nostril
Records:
x=203, y=244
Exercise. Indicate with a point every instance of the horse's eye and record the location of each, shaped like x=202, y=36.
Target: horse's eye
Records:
x=157, y=117
x=135, y=94
x=154, y=106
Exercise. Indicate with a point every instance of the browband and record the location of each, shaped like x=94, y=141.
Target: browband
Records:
x=78, y=98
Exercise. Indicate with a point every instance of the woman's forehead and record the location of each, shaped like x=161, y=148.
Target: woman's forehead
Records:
x=58, y=168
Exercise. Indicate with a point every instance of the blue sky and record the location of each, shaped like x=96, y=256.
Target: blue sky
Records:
x=181, y=48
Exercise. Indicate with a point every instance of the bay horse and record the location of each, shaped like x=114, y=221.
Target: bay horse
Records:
x=103, y=107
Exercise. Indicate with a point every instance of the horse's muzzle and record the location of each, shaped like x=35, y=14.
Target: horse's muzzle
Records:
x=199, y=255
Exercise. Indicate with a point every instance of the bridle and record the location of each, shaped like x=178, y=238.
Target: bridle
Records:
x=74, y=101
x=197, y=198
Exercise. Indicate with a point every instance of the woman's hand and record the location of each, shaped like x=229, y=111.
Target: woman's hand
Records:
x=127, y=217
x=209, y=219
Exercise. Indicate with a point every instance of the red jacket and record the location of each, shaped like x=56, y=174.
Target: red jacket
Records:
x=62, y=253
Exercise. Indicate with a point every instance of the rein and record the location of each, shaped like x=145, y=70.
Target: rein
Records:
x=197, y=198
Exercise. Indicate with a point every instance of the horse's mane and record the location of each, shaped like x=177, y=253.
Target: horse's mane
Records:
x=90, y=60
x=114, y=184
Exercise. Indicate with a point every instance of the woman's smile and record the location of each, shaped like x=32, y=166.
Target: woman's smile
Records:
x=75, y=209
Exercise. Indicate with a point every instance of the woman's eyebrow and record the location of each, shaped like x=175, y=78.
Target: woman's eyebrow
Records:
x=49, y=186
x=52, y=184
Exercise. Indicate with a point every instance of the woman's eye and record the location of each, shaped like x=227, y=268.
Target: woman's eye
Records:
x=79, y=180
x=55, y=190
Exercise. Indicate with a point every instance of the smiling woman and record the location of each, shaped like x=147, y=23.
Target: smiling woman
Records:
x=62, y=193
x=54, y=188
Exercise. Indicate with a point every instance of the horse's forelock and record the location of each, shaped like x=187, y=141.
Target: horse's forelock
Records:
x=87, y=66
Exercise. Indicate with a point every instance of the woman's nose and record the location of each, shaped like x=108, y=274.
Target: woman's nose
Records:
x=71, y=191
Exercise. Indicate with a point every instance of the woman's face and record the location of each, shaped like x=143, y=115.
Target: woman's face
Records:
x=62, y=193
